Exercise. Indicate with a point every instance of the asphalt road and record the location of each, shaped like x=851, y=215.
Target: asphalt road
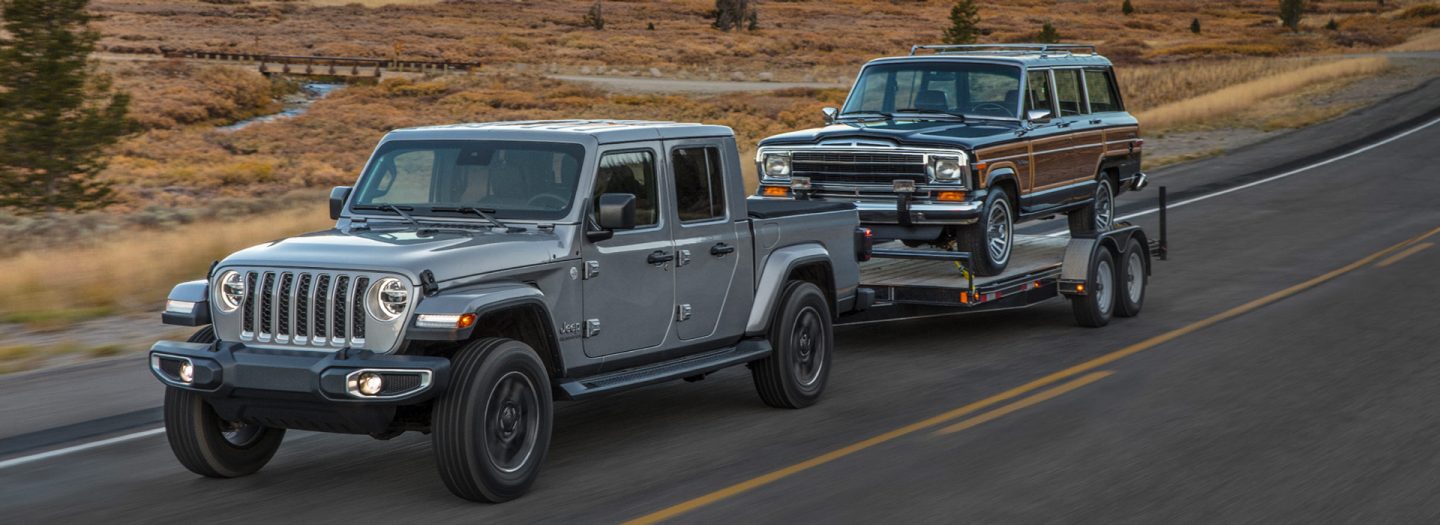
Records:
x=1283, y=371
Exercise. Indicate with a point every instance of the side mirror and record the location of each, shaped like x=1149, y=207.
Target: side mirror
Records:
x=338, y=196
x=830, y=114
x=617, y=211
x=1037, y=115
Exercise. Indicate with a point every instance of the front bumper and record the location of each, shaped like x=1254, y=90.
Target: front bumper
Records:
x=300, y=389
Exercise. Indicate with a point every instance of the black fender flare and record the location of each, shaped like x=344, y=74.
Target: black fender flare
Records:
x=484, y=301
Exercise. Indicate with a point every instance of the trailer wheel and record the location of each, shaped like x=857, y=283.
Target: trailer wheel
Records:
x=795, y=373
x=1132, y=280
x=491, y=428
x=990, y=240
x=210, y=446
x=1094, y=308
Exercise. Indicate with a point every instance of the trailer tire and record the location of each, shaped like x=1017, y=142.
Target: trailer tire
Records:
x=802, y=341
x=1094, y=308
x=1130, y=277
x=210, y=446
x=996, y=225
x=499, y=396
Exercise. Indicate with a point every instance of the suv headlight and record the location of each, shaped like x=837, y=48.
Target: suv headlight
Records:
x=231, y=292
x=388, y=299
x=777, y=165
x=944, y=168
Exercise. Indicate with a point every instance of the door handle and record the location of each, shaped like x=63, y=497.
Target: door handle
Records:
x=720, y=249
x=658, y=257
x=1096, y=121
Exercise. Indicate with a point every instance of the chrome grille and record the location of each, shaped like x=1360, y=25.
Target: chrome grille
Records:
x=304, y=308
x=846, y=167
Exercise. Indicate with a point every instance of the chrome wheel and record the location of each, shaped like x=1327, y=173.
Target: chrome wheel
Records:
x=997, y=232
x=1134, y=277
x=1104, y=206
x=511, y=423
x=807, y=337
x=1105, y=286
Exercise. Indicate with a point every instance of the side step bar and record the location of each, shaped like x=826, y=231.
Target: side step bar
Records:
x=609, y=382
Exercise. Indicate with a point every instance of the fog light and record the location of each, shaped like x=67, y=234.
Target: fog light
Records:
x=187, y=372
x=370, y=383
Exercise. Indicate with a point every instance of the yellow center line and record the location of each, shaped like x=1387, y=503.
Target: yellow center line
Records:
x=765, y=479
x=1408, y=252
x=1041, y=397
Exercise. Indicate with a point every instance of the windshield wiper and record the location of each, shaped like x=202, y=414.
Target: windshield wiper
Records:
x=881, y=114
x=399, y=210
x=484, y=213
x=960, y=116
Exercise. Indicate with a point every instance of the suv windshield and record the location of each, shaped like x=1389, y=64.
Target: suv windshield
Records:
x=955, y=88
x=509, y=179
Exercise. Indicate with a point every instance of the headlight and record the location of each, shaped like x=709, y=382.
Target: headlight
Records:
x=947, y=169
x=231, y=292
x=777, y=166
x=388, y=299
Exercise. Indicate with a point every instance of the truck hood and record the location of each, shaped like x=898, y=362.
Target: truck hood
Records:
x=449, y=255
x=942, y=134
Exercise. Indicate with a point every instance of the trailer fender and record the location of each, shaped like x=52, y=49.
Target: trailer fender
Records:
x=1075, y=268
x=772, y=280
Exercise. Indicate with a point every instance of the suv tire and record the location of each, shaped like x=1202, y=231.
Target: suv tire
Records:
x=491, y=428
x=802, y=339
x=210, y=446
x=991, y=240
x=1099, y=215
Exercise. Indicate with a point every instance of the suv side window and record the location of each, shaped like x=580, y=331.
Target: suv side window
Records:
x=630, y=172
x=699, y=184
x=1039, y=96
x=1067, y=92
x=1101, y=87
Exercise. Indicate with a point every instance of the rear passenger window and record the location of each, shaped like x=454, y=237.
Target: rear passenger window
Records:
x=699, y=184
x=630, y=172
x=1039, y=92
x=1102, y=91
x=1067, y=92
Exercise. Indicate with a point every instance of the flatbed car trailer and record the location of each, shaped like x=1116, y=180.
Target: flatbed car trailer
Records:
x=908, y=282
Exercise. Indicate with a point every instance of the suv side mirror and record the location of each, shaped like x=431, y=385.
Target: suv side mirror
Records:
x=617, y=211
x=1038, y=115
x=338, y=195
x=830, y=114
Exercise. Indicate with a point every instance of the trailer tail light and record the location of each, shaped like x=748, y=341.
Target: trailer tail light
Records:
x=864, y=244
x=775, y=191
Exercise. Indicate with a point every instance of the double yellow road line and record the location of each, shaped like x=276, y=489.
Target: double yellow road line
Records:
x=1088, y=368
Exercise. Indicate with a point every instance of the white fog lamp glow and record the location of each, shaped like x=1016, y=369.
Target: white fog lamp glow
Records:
x=777, y=165
x=369, y=383
x=187, y=372
x=232, y=291
x=388, y=299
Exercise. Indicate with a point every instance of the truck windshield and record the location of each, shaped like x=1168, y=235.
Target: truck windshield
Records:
x=941, y=88
x=508, y=179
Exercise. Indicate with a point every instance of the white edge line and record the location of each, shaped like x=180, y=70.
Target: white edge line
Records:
x=15, y=462
x=1272, y=177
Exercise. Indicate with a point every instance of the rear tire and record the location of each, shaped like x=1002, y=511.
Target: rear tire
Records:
x=801, y=336
x=1131, y=278
x=1099, y=215
x=210, y=446
x=1094, y=308
x=491, y=429
x=991, y=240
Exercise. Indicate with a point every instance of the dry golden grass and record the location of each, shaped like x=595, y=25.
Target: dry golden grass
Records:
x=1427, y=41
x=1239, y=97
x=131, y=271
x=1148, y=87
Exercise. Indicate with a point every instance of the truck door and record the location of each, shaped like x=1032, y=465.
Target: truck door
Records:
x=629, y=279
x=706, y=244
x=1049, y=145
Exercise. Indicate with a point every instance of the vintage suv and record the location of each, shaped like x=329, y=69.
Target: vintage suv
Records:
x=476, y=272
x=953, y=148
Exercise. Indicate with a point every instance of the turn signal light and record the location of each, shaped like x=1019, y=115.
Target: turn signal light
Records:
x=775, y=191
x=465, y=321
x=950, y=196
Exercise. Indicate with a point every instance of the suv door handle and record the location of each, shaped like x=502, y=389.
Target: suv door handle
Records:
x=1096, y=121
x=658, y=257
x=720, y=249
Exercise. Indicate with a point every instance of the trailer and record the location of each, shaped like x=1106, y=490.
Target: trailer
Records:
x=1103, y=274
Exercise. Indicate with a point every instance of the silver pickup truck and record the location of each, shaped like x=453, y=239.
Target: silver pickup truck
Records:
x=477, y=272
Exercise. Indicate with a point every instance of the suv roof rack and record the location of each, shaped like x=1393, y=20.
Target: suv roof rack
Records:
x=1006, y=49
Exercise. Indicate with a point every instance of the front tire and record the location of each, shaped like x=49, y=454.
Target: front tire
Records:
x=801, y=336
x=491, y=429
x=208, y=445
x=990, y=240
x=1099, y=215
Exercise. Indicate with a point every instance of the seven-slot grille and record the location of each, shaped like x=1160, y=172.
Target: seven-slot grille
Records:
x=845, y=167
x=302, y=308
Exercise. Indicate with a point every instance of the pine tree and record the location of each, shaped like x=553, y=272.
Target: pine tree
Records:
x=964, y=23
x=1195, y=25
x=595, y=17
x=1126, y=8
x=1290, y=11
x=1332, y=25
x=56, y=116
x=736, y=14
x=1048, y=34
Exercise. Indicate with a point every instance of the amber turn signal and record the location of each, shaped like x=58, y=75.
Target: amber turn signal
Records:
x=775, y=191
x=465, y=321
x=950, y=196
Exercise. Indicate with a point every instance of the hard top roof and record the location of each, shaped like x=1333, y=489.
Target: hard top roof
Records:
x=601, y=131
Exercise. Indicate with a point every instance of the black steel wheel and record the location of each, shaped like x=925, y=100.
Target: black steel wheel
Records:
x=491, y=429
x=1132, y=279
x=1099, y=215
x=208, y=445
x=1094, y=308
x=992, y=238
x=802, y=337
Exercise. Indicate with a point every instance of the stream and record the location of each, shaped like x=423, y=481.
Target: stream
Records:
x=295, y=105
